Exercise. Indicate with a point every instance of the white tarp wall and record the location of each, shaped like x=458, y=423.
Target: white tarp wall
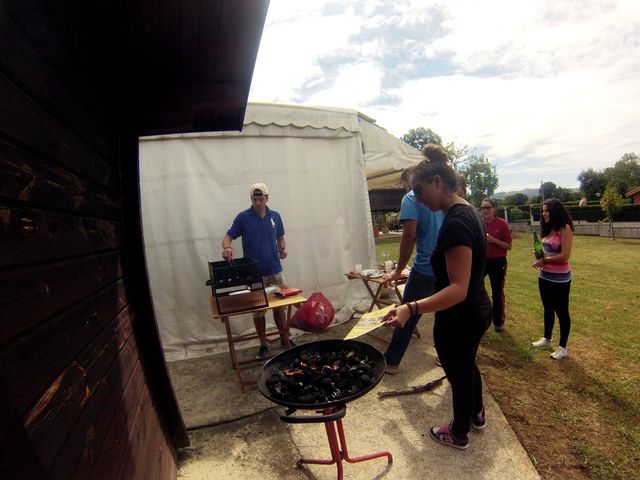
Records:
x=193, y=186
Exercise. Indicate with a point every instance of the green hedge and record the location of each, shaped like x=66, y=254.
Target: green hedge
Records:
x=594, y=213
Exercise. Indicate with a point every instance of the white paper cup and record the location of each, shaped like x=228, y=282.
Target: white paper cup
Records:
x=358, y=268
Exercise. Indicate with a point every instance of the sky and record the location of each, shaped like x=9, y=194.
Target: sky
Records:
x=544, y=89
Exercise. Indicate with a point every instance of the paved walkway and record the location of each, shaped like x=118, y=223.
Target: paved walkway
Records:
x=236, y=435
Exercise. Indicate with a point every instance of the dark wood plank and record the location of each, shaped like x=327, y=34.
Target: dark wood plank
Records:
x=30, y=295
x=53, y=416
x=76, y=450
x=31, y=235
x=33, y=362
x=32, y=127
x=145, y=326
x=111, y=456
x=169, y=463
x=18, y=458
x=76, y=457
x=24, y=178
x=142, y=443
x=25, y=66
x=33, y=18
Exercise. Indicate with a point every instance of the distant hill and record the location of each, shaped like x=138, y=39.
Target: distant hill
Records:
x=529, y=192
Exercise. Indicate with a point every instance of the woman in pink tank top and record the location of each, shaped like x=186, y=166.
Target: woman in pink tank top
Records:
x=554, y=279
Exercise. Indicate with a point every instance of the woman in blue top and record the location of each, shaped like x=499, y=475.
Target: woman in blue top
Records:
x=460, y=302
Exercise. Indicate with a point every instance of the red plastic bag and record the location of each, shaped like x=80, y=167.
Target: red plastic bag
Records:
x=314, y=315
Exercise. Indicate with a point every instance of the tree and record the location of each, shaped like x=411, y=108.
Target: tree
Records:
x=457, y=155
x=418, y=137
x=548, y=190
x=610, y=202
x=567, y=194
x=592, y=182
x=625, y=173
x=481, y=178
x=516, y=199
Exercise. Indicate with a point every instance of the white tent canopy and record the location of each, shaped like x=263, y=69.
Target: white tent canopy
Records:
x=315, y=162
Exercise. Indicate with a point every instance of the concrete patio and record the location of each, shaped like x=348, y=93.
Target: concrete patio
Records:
x=240, y=435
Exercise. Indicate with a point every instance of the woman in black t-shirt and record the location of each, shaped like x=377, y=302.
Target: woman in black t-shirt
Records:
x=461, y=303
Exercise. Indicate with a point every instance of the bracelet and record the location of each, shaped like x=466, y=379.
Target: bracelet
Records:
x=411, y=312
x=417, y=308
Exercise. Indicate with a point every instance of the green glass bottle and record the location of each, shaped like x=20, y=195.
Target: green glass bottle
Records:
x=537, y=246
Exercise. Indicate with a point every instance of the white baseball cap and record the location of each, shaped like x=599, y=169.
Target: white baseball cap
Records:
x=259, y=189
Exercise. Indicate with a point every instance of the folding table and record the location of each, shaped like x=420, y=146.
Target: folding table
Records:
x=376, y=301
x=274, y=303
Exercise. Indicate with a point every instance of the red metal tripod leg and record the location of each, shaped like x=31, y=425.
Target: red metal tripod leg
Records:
x=337, y=441
x=345, y=453
x=336, y=455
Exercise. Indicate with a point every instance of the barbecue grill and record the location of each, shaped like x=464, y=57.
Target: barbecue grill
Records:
x=237, y=285
x=309, y=365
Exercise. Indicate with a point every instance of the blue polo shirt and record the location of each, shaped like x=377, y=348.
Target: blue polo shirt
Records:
x=427, y=230
x=259, y=238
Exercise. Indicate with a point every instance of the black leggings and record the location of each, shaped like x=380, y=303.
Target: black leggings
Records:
x=555, y=300
x=457, y=344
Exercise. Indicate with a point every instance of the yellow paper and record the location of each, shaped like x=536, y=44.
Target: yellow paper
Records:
x=368, y=322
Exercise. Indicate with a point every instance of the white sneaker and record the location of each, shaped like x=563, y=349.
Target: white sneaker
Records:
x=559, y=353
x=542, y=343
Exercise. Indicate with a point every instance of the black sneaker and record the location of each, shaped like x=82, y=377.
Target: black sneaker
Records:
x=478, y=422
x=262, y=352
x=291, y=343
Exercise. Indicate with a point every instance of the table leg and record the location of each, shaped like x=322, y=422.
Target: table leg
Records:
x=232, y=351
x=375, y=296
x=286, y=327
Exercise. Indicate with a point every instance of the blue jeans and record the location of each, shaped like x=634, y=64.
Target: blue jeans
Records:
x=418, y=286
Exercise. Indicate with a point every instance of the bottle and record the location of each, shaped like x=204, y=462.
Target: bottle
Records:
x=388, y=266
x=537, y=246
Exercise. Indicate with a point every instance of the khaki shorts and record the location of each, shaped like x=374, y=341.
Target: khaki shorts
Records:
x=277, y=279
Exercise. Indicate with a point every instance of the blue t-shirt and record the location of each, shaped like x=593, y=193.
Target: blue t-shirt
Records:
x=427, y=230
x=259, y=238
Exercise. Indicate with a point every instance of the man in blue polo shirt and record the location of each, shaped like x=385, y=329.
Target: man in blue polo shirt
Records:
x=420, y=227
x=263, y=240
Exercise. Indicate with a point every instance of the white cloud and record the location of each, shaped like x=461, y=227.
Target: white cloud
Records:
x=543, y=89
x=365, y=76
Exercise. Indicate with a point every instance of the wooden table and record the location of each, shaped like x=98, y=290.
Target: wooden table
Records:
x=274, y=302
x=376, y=301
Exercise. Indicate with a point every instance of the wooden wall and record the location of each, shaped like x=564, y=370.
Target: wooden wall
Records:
x=84, y=391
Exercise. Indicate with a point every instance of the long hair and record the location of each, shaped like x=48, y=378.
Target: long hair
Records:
x=559, y=216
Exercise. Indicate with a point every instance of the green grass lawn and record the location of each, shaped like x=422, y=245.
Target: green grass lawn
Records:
x=578, y=418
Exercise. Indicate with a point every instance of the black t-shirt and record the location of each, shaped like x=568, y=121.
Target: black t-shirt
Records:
x=463, y=226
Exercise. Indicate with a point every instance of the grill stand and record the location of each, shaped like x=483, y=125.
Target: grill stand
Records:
x=332, y=419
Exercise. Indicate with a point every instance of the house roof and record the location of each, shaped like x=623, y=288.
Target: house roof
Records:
x=173, y=66
x=632, y=192
x=194, y=62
